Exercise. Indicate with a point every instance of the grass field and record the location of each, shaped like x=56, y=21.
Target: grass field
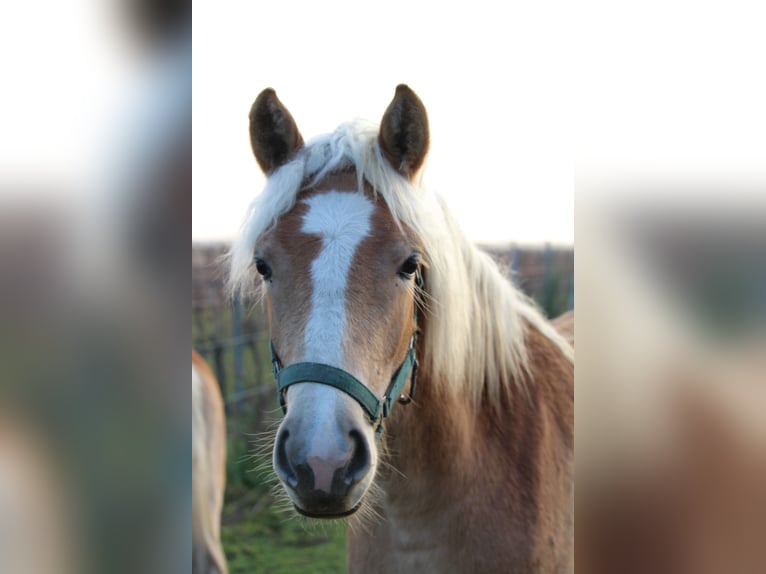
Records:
x=267, y=542
x=260, y=537
x=259, y=534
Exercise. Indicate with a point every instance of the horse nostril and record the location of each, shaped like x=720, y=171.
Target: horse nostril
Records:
x=360, y=459
x=305, y=477
x=282, y=461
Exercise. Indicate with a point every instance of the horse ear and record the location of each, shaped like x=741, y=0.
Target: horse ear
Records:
x=404, y=135
x=274, y=135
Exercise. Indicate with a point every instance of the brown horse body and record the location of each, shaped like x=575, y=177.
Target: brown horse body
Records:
x=208, y=470
x=475, y=474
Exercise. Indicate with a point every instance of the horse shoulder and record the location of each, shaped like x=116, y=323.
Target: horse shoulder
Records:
x=553, y=380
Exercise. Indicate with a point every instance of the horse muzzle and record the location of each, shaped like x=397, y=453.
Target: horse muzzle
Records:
x=326, y=470
x=325, y=455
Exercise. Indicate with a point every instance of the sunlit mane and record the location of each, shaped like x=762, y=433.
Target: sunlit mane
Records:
x=467, y=347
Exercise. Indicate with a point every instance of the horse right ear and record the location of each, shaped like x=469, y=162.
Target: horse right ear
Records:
x=404, y=135
x=274, y=135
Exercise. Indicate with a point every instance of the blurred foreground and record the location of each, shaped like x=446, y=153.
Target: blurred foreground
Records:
x=671, y=377
x=95, y=197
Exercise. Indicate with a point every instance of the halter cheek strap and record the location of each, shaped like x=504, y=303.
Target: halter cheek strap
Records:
x=375, y=408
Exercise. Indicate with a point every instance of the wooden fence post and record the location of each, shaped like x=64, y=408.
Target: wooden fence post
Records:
x=236, y=322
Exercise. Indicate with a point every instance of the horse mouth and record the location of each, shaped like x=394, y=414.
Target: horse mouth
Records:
x=326, y=515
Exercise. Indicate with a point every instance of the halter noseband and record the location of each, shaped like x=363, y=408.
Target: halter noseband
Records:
x=375, y=408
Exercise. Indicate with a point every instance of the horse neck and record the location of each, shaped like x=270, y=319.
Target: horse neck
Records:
x=418, y=433
x=442, y=440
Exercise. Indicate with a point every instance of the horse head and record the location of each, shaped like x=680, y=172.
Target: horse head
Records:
x=340, y=276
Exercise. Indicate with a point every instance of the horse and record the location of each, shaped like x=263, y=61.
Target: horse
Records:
x=208, y=469
x=427, y=401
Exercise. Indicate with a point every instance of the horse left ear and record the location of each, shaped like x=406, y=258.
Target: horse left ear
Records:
x=404, y=135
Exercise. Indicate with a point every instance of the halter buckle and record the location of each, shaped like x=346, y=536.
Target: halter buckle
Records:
x=407, y=399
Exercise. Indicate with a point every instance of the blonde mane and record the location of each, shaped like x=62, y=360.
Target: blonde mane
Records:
x=476, y=318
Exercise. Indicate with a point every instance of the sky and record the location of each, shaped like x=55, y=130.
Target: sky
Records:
x=494, y=84
x=529, y=103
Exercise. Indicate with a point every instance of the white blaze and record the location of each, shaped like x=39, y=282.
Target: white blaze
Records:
x=343, y=221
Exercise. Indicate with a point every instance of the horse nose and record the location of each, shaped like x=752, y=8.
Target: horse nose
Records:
x=320, y=469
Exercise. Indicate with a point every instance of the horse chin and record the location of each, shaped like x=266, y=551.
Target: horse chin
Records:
x=323, y=506
x=327, y=515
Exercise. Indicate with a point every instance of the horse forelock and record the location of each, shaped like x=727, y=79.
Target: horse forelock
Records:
x=477, y=320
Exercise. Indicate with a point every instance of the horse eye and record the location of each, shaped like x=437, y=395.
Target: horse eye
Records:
x=263, y=268
x=410, y=266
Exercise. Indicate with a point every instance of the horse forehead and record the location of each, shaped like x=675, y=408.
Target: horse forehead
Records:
x=336, y=209
x=339, y=216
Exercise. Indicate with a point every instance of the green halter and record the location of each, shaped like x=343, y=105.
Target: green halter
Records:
x=375, y=408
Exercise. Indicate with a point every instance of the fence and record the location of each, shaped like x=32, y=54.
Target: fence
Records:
x=233, y=336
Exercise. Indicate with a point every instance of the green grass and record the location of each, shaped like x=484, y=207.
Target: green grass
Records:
x=270, y=542
x=260, y=536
